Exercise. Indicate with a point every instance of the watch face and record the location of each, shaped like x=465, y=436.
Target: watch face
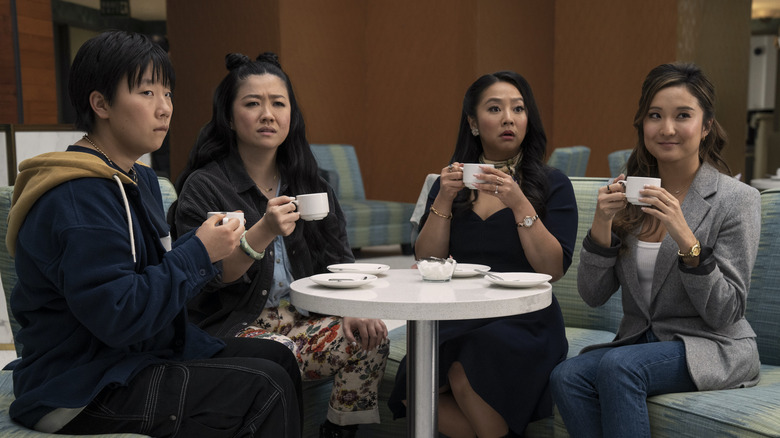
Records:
x=696, y=250
x=528, y=221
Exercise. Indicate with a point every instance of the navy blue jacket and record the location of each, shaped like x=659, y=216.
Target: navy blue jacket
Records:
x=90, y=314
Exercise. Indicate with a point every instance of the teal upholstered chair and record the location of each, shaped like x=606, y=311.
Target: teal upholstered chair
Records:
x=8, y=428
x=369, y=222
x=617, y=161
x=572, y=161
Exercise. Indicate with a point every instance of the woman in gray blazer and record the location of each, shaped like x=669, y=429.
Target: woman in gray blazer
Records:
x=683, y=262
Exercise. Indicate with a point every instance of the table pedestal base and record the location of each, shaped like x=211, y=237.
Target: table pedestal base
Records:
x=422, y=392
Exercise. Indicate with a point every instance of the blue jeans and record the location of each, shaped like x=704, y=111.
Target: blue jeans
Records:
x=604, y=392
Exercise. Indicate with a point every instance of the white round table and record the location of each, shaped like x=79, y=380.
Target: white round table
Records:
x=401, y=294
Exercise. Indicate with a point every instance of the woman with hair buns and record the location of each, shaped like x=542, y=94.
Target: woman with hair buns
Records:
x=683, y=261
x=253, y=156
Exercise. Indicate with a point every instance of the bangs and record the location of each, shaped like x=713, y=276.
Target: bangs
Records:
x=161, y=69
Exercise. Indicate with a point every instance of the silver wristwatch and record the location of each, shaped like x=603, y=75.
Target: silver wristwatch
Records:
x=528, y=221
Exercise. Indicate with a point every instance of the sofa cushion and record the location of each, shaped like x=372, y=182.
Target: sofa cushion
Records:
x=575, y=312
x=371, y=223
x=743, y=412
x=763, y=301
x=580, y=338
x=11, y=429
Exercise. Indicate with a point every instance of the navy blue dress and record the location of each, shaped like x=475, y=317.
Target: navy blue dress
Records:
x=508, y=360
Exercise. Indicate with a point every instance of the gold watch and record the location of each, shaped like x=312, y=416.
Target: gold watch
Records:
x=694, y=252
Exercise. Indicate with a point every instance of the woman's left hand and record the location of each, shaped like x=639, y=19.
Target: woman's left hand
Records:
x=667, y=210
x=500, y=185
x=370, y=331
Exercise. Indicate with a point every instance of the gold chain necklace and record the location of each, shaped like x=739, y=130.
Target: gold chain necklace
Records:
x=131, y=173
x=268, y=190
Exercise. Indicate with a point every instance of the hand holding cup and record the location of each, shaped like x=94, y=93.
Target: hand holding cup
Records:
x=219, y=241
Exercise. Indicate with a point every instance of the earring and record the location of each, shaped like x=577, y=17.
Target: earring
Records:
x=474, y=132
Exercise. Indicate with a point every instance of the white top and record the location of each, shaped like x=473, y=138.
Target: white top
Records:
x=646, y=253
x=401, y=294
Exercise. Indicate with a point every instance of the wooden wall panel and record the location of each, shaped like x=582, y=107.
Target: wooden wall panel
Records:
x=525, y=44
x=602, y=55
x=8, y=112
x=322, y=51
x=389, y=77
x=36, y=53
x=421, y=57
x=201, y=33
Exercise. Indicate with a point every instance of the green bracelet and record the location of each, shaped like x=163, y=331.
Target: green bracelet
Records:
x=248, y=249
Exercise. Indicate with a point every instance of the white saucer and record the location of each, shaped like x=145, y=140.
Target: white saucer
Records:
x=519, y=279
x=342, y=280
x=359, y=268
x=468, y=269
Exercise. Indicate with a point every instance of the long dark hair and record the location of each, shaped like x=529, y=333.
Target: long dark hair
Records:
x=531, y=169
x=294, y=159
x=641, y=162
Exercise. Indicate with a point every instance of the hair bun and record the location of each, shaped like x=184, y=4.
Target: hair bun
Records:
x=235, y=60
x=269, y=57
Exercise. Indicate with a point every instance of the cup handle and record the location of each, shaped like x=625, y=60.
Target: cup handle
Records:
x=621, y=182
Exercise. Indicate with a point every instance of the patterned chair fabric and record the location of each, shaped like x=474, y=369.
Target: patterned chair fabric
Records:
x=369, y=222
x=617, y=161
x=572, y=161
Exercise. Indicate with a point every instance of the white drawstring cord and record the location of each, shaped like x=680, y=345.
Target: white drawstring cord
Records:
x=129, y=217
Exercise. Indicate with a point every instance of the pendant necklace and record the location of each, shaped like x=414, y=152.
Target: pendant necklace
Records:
x=269, y=189
x=131, y=173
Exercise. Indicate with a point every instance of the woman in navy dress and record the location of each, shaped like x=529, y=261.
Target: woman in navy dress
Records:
x=494, y=372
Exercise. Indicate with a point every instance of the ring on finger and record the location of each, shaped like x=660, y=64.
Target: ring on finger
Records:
x=496, y=192
x=499, y=181
x=449, y=168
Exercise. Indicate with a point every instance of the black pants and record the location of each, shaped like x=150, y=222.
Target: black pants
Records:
x=252, y=388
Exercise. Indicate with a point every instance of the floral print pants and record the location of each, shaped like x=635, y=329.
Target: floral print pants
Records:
x=322, y=350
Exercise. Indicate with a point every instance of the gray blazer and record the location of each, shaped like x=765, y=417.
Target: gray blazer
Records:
x=703, y=306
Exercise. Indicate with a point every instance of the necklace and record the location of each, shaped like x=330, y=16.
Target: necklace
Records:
x=272, y=187
x=131, y=173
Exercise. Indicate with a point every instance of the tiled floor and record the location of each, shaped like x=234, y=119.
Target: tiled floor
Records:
x=389, y=255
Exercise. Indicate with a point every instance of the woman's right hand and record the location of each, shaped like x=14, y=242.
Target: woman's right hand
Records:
x=280, y=216
x=451, y=181
x=220, y=239
x=611, y=199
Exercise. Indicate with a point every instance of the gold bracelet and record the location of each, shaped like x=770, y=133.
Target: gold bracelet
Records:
x=443, y=216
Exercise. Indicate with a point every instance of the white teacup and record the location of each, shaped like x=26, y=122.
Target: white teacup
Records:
x=469, y=170
x=229, y=215
x=312, y=206
x=634, y=184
